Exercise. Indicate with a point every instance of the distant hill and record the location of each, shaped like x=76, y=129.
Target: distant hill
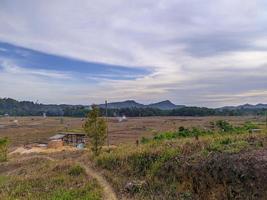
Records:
x=249, y=106
x=27, y=108
x=246, y=106
x=122, y=104
x=164, y=105
x=129, y=108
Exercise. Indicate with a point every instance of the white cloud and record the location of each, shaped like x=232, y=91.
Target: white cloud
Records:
x=182, y=42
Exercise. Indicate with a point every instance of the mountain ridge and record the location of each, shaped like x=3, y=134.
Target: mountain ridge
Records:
x=166, y=104
x=162, y=105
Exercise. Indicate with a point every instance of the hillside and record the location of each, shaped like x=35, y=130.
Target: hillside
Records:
x=165, y=105
x=225, y=162
x=27, y=108
x=122, y=104
x=249, y=106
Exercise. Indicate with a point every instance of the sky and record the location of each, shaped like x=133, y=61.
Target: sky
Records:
x=192, y=52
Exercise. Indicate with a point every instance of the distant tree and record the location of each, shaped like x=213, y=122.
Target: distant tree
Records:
x=95, y=127
x=3, y=149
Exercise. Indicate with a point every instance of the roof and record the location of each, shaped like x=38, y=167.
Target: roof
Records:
x=71, y=133
x=63, y=134
x=57, y=137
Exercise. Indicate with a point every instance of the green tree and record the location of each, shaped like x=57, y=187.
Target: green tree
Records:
x=3, y=149
x=95, y=127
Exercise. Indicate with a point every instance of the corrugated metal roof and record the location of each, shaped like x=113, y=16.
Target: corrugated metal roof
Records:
x=71, y=133
x=57, y=137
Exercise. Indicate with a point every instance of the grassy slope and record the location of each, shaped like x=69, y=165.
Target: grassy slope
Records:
x=43, y=179
x=186, y=168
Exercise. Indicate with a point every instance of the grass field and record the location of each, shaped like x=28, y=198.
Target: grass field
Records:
x=42, y=178
x=187, y=158
x=38, y=129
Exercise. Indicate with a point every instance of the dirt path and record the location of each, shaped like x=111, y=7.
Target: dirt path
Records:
x=108, y=193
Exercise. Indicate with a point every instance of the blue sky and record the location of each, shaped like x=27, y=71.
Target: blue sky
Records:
x=35, y=60
x=205, y=53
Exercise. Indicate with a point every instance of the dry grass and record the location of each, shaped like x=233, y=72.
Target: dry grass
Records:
x=165, y=165
x=162, y=165
x=39, y=178
x=38, y=129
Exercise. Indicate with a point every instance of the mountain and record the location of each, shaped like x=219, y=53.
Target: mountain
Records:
x=123, y=104
x=249, y=106
x=246, y=107
x=164, y=105
x=12, y=107
x=27, y=108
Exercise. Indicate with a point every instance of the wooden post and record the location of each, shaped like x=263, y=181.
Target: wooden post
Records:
x=106, y=103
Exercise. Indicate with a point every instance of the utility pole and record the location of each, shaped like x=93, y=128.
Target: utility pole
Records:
x=106, y=105
x=266, y=118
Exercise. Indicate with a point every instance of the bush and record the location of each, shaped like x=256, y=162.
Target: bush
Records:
x=144, y=140
x=76, y=170
x=228, y=145
x=89, y=192
x=249, y=126
x=165, y=136
x=224, y=126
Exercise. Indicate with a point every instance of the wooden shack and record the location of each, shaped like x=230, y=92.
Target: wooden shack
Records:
x=67, y=138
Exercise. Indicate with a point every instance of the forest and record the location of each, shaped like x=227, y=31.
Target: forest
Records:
x=13, y=107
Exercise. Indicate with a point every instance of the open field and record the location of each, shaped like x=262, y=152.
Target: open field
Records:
x=37, y=129
x=217, y=164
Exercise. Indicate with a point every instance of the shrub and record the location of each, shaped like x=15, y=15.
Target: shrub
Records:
x=108, y=161
x=89, y=192
x=249, y=126
x=144, y=140
x=166, y=155
x=224, y=126
x=165, y=136
x=228, y=145
x=76, y=170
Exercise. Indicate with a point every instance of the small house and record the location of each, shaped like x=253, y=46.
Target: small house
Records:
x=66, y=138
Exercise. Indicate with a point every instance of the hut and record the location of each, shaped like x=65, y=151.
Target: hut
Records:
x=66, y=138
x=56, y=141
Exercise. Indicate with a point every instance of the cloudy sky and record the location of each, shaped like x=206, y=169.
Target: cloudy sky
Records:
x=193, y=52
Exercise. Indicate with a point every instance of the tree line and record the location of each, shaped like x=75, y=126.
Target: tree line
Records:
x=27, y=108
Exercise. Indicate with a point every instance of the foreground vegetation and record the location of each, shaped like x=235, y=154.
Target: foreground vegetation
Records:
x=220, y=161
x=189, y=164
x=43, y=179
x=3, y=149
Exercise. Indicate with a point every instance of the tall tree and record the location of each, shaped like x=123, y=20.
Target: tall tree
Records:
x=95, y=127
